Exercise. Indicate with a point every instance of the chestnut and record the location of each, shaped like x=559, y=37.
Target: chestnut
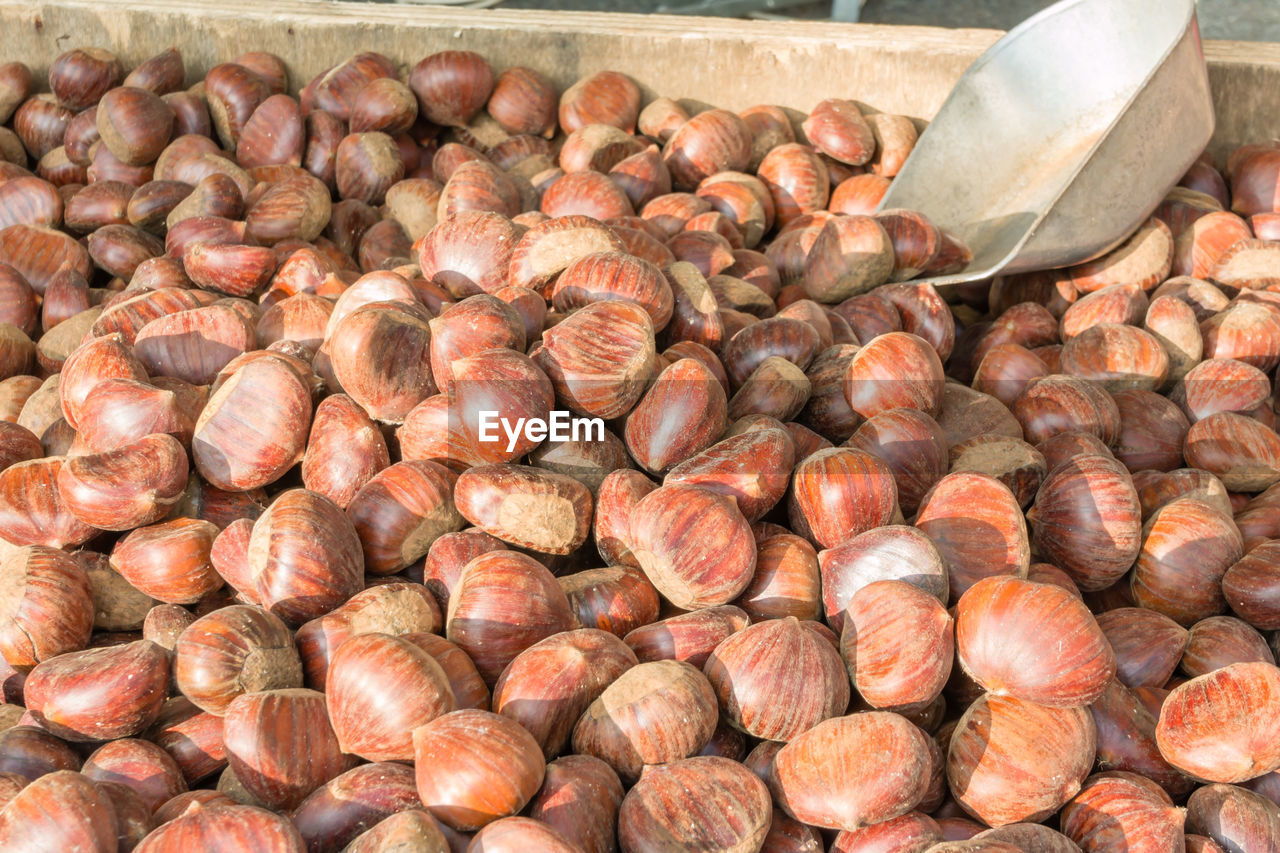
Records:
x=689, y=637
x=664, y=810
x=684, y=411
x=786, y=581
x=451, y=86
x=1234, y=818
x=1148, y=645
x=854, y=771
x=1152, y=431
x=15, y=86
x=579, y=798
x=234, y=650
x=135, y=124
x=474, y=767
x=892, y=552
x=162, y=73
x=898, y=645
x=380, y=688
x=1119, y=809
x=100, y=693
x=894, y=370
x=521, y=833
x=393, y=608
x=1060, y=661
x=778, y=679
x=1221, y=726
x=1011, y=760
x=469, y=688
x=1242, y=452
x=32, y=509
x=28, y=752
x=711, y=142
x=1187, y=547
x=653, y=713
x=1087, y=520
x=608, y=97
x=913, y=830
x=344, y=807
x=1144, y=259
x=47, y=606
x=838, y=493
x=302, y=558
x=398, y=377
x=503, y=603
x=449, y=555
x=1127, y=739
x=616, y=599
x=752, y=468
x=525, y=506
x=344, y=451
x=65, y=809
x=232, y=456
x=1221, y=385
x=141, y=766
x=614, y=276
x=693, y=544
x=472, y=326
x=400, y=511
x=503, y=381
x=1250, y=587
x=1117, y=357
x=129, y=487
x=584, y=663
x=523, y=101
x=169, y=561
x=414, y=827
x=975, y=523
x=79, y=77
x=280, y=745
x=164, y=623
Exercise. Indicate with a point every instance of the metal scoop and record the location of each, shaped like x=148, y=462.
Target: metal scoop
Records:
x=1059, y=141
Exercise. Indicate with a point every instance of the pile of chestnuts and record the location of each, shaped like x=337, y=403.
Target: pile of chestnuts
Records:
x=834, y=565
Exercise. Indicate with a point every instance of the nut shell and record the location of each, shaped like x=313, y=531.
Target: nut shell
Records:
x=236, y=456
x=548, y=686
x=540, y=510
x=839, y=492
x=303, y=557
x=1187, y=547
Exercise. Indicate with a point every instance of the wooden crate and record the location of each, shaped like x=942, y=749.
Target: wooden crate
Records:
x=725, y=62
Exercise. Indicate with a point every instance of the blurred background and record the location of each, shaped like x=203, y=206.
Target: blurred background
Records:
x=1248, y=20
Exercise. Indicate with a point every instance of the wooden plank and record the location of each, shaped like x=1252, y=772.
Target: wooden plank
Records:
x=726, y=62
